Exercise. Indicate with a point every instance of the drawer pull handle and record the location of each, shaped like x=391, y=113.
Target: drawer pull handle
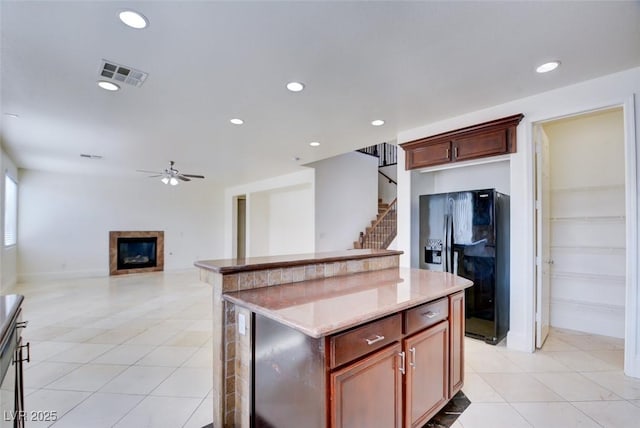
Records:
x=401, y=355
x=431, y=314
x=378, y=338
x=412, y=363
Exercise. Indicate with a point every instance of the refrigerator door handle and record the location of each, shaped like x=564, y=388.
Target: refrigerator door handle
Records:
x=444, y=244
x=448, y=243
x=452, y=259
x=451, y=264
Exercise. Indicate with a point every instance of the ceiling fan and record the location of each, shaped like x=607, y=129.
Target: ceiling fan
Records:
x=171, y=175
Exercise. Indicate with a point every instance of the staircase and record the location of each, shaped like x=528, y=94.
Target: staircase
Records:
x=382, y=230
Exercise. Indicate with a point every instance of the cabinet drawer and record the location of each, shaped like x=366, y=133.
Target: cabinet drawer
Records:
x=360, y=341
x=425, y=315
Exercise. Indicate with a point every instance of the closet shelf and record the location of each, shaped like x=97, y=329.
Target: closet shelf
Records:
x=589, y=249
x=606, y=188
x=587, y=305
x=595, y=277
x=590, y=219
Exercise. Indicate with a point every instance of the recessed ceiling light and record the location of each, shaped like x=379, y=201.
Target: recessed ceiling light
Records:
x=237, y=121
x=295, y=86
x=108, y=86
x=548, y=66
x=314, y=144
x=133, y=19
x=377, y=122
x=13, y=115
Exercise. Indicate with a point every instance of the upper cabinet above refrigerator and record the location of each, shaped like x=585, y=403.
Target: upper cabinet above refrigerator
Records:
x=494, y=138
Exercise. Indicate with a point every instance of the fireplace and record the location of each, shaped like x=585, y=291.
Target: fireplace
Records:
x=136, y=251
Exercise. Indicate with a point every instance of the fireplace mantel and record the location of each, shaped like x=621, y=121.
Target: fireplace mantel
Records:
x=113, y=251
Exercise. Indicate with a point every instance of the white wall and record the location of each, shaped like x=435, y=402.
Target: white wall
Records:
x=9, y=255
x=587, y=192
x=64, y=221
x=280, y=215
x=289, y=230
x=387, y=191
x=615, y=89
x=279, y=221
x=346, y=199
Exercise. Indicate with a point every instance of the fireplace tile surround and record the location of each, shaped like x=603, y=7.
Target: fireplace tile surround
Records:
x=113, y=251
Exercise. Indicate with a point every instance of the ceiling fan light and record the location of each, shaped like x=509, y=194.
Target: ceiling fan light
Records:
x=165, y=180
x=173, y=181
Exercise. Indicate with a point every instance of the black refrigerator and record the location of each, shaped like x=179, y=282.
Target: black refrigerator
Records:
x=467, y=233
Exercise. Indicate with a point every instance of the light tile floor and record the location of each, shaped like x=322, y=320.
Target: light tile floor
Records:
x=576, y=380
x=129, y=351
x=135, y=351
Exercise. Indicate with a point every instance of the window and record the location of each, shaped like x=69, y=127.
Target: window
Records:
x=10, y=211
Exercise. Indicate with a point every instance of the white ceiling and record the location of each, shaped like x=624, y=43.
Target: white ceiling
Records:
x=409, y=63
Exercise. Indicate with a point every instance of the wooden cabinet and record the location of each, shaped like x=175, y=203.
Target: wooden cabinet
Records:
x=492, y=138
x=392, y=372
x=456, y=332
x=427, y=374
x=348, y=346
x=482, y=145
x=368, y=393
x=430, y=154
x=400, y=370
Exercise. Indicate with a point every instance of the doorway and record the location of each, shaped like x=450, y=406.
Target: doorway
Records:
x=241, y=227
x=580, y=224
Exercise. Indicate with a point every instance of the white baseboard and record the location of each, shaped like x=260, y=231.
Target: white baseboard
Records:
x=631, y=364
x=519, y=342
x=601, y=319
x=58, y=276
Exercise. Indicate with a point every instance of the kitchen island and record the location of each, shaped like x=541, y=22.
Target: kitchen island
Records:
x=332, y=339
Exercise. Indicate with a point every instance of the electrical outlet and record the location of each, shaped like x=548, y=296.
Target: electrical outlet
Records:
x=242, y=324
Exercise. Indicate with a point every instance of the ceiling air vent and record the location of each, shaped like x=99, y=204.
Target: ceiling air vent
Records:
x=122, y=73
x=88, y=156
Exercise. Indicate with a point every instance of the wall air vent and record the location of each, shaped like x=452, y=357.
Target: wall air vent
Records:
x=122, y=73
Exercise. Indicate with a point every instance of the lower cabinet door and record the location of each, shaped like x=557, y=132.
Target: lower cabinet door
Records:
x=456, y=332
x=427, y=378
x=368, y=393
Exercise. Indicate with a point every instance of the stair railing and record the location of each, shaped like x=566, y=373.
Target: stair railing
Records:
x=386, y=153
x=383, y=230
x=391, y=180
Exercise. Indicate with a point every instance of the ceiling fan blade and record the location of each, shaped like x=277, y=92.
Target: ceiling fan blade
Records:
x=157, y=175
x=192, y=175
x=182, y=177
x=148, y=172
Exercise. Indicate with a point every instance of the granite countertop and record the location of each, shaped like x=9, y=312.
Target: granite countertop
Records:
x=259, y=263
x=323, y=307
